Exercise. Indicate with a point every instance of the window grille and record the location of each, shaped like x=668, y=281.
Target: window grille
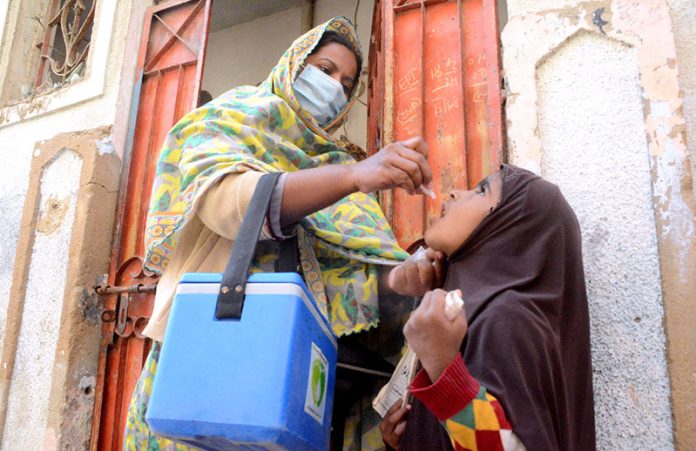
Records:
x=66, y=42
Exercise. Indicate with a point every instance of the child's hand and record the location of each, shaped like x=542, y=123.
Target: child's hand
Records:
x=393, y=424
x=421, y=272
x=435, y=338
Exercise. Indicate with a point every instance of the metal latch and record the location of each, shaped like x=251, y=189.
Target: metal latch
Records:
x=120, y=315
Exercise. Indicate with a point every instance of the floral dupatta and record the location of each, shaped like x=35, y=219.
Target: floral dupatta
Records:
x=264, y=129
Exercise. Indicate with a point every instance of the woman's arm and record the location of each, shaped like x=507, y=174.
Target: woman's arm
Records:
x=398, y=165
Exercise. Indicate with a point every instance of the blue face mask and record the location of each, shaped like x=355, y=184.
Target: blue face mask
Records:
x=319, y=94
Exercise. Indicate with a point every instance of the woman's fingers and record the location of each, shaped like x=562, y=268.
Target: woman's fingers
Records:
x=398, y=165
x=398, y=413
x=425, y=302
x=439, y=296
x=418, y=144
x=420, y=156
x=412, y=279
x=413, y=163
x=424, y=171
x=395, y=277
x=426, y=274
x=394, y=424
x=434, y=338
x=405, y=172
x=399, y=430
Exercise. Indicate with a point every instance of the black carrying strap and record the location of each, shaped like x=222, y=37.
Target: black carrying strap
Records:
x=230, y=300
x=288, y=256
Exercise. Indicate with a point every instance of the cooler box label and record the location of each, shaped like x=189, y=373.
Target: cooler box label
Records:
x=315, y=399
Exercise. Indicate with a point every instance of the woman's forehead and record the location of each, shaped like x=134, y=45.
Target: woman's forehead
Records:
x=337, y=53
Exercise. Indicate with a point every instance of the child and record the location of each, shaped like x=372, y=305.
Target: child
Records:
x=513, y=371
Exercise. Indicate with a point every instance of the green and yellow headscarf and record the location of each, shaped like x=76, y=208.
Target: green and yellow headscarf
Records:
x=264, y=129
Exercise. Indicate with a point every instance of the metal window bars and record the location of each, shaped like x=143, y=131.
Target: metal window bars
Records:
x=66, y=42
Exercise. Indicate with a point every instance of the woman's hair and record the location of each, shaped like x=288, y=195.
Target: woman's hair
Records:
x=331, y=36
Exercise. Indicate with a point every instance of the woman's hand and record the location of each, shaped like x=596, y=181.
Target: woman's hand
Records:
x=418, y=274
x=401, y=164
x=434, y=338
x=393, y=424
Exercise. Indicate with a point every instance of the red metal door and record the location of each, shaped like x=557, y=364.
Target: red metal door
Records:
x=170, y=68
x=435, y=72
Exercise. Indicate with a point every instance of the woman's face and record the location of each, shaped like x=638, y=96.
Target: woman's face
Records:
x=462, y=213
x=338, y=62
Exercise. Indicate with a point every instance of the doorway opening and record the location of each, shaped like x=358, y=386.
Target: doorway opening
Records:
x=248, y=38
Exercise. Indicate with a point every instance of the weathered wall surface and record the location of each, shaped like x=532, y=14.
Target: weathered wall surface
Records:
x=230, y=59
x=38, y=365
x=684, y=344
x=593, y=134
x=684, y=18
x=594, y=104
x=27, y=410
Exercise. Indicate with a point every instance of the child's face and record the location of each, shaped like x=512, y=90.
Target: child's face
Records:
x=463, y=211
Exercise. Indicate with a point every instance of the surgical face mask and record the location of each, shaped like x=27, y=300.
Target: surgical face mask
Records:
x=319, y=94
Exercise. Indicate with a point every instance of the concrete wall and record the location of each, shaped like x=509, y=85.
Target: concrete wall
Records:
x=684, y=18
x=594, y=105
x=27, y=411
x=41, y=290
x=593, y=133
x=245, y=53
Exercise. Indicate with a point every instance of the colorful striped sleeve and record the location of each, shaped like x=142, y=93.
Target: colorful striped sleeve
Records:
x=473, y=418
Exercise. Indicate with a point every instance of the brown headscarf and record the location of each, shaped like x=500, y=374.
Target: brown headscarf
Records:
x=528, y=341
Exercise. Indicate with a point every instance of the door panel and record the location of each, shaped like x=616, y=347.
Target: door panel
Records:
x=424, y=56
x=438, y=73
x=170, y=68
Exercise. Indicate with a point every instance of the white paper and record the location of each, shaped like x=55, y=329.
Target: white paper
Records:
x=419, y=254
x=397, y=387
x=453, y=305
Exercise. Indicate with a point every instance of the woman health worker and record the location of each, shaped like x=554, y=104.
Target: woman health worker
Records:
x=214, y=156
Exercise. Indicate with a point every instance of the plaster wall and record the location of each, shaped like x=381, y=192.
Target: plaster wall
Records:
x=595, y=103
x=29, y=393
x=85, y=104
x=594, y=147
x=684, y=18
x=3, y=14
x=521, y=7
x=19, y=137
x=244, y=54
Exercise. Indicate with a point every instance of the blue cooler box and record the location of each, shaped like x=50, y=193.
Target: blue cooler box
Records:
x=265, y=381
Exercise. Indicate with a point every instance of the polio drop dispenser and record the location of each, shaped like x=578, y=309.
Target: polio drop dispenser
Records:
x=263, y=381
